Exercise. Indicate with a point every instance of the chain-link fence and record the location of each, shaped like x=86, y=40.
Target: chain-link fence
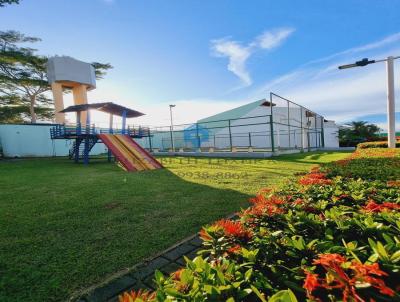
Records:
x=275, y=124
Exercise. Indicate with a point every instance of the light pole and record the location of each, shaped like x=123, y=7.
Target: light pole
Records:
x=390, y=93
x=172, y=127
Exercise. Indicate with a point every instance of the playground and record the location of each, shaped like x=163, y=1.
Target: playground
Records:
x=66, y=227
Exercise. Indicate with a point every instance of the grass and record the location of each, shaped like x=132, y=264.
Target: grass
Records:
x=64, y=227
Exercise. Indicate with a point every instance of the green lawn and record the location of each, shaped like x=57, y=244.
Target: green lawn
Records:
x=64, y=226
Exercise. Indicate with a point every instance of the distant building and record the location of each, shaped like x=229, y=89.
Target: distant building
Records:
x=251, y=126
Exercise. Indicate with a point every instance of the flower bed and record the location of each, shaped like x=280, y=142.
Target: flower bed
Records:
x=368, y=164
x=377, y=144
x=323, y=236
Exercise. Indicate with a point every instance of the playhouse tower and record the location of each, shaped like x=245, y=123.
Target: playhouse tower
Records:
x=67, y=72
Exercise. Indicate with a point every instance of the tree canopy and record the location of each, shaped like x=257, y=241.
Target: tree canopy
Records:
x=23, y=79
x=4, y=2
x=356, y=132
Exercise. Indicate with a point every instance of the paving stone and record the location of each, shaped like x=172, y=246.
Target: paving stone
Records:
x=181, y=261
x=170, y=268
x=114, y=299
x=150, y=268
x=138, y=285
x=112, y=289
x=193, y=254
x=179, y=251
x=150, y=283
x=196, y=241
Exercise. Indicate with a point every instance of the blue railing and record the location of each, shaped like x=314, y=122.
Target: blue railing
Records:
x=66, y=131
x=63, y=131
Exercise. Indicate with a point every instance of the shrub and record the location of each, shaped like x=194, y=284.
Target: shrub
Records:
x=376, y=144
x=324, y=236
x=368, y=164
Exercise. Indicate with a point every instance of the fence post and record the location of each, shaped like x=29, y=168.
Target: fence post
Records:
x=150, y=147
x=78, y=123
x=172, y=139
x=249, y=139
x=271, y=125
x=288, y=122
x=123, y=121
x=301, y=129
x=197, y=136
x=86, y=142
x=230, y=134
x=322, y=133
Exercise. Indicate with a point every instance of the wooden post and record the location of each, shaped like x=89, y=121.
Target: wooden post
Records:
x=79, y=93
x=58, y=102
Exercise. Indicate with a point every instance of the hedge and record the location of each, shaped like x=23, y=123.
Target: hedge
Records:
x=376, y=144
x=323, y=236
x=367, y=164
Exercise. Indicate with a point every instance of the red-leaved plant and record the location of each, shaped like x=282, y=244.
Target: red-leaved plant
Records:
x=346, y=276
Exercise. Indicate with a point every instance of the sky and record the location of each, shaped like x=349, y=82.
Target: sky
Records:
x=207, y=56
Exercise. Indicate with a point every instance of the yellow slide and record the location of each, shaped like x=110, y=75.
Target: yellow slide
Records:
x=137, y=164
x=134, y=153
x=130, y=155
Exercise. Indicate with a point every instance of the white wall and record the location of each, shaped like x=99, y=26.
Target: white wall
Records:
x=34, y=141
x=331, y=134
x=260, y=134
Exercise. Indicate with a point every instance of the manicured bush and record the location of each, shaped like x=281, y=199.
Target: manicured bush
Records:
x=324, y=236
x=376, y=144
x=368, y=164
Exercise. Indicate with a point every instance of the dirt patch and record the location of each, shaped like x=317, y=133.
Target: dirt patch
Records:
x=112, y=205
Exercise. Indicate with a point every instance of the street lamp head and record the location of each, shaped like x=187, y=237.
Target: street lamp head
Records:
x=347, y=66
x=360, y=63
x=172, y=106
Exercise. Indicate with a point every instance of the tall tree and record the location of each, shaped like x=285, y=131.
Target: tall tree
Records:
x=4, y=2
x=356, y=132
x=23, y=79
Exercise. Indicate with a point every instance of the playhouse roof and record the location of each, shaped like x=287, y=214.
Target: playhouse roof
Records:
x=107, y=107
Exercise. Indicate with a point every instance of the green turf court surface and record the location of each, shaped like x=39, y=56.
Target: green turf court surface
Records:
x=64, y=226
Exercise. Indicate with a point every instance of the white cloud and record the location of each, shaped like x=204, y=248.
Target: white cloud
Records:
x=238, y=54
x=342, y=95
x=387, y=41
x=273, y=38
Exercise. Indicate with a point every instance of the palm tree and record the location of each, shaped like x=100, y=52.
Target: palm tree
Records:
x=356, y=132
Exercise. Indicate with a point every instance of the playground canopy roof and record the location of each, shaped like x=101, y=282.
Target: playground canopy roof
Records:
x=107, y=107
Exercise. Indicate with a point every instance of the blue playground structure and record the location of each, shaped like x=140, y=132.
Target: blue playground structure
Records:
x=86, y=136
